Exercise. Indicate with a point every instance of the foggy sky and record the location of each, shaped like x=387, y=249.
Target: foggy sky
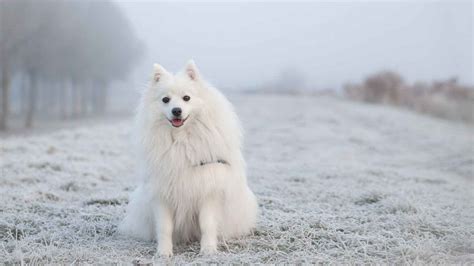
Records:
x=239, y=45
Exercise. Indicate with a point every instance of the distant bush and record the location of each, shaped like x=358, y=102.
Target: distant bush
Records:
x=288, y=81
x=447, y=99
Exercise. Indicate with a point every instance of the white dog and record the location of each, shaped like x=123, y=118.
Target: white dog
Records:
x=194, y=184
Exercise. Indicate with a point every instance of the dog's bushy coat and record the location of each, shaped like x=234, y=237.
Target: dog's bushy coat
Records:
x=193, y=182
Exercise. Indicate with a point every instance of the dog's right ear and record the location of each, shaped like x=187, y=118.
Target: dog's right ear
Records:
x=158, y=72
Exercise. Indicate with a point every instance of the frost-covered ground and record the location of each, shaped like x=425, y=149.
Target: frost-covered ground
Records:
x=336, y=181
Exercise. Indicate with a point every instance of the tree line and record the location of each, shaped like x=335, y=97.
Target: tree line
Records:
x=60, y=56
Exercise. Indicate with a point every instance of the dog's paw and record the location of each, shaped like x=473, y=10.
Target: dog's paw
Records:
x=164, y=254
x=208, y=250
x=164, y=251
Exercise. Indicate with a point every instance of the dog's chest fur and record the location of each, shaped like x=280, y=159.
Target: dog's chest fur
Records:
x=196, y=148
x=187, y=163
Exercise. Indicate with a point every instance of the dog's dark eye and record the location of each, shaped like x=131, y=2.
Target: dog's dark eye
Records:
x=186, y=98
x=166, y=99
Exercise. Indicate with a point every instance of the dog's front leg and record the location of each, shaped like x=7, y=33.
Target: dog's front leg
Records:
x=164, y=230
x=208, y=216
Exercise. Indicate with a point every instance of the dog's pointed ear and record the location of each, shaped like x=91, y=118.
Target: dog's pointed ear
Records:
x=192, y=70
x=158, y=72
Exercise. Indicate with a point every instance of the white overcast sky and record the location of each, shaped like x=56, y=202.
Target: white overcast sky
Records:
x=244, y=44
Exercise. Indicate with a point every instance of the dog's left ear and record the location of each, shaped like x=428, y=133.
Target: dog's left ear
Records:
x=192, y=70
x=159, y=72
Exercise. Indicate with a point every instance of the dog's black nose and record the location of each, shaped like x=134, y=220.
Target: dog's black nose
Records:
x=176, y=111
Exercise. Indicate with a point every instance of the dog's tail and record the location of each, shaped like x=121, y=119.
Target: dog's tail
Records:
x=138, y=222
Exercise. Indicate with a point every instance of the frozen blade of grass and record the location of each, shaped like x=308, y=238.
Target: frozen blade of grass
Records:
x=105, y=202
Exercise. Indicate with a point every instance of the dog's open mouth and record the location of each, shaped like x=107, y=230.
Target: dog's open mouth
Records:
x=177, y=122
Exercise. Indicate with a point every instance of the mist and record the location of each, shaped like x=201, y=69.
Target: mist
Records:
x=64, y=60
x=351, y=122
x=246, y=45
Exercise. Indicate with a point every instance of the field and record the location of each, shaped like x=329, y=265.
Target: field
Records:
x=336, y=181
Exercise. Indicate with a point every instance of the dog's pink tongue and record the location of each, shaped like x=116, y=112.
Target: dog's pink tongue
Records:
x=177, y=122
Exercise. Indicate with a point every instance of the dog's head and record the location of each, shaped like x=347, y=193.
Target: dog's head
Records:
x=177, y=96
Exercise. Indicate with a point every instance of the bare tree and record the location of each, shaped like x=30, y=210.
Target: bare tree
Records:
x=13, y=33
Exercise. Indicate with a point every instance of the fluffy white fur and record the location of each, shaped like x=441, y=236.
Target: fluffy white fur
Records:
x=186, y=193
